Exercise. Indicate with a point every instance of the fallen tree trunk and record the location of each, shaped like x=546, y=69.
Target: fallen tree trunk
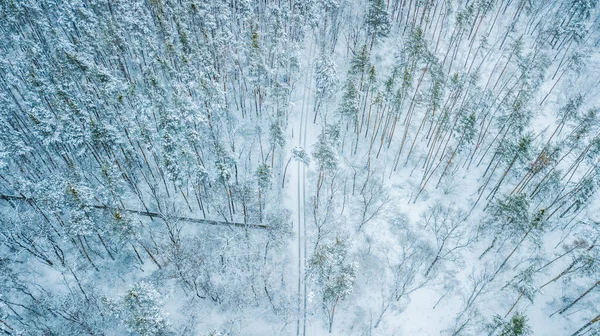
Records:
x=151, y=214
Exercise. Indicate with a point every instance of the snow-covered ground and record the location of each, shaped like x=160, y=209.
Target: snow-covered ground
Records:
x=155, y=175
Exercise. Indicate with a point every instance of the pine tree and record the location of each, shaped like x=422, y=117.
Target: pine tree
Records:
x=140, y=309
x=335, y=274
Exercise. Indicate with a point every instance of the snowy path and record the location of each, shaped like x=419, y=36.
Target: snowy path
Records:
x=301, y=229
x=299, y=174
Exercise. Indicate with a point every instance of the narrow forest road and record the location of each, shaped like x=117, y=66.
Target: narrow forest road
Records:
x=299, y=219
x=300, y=227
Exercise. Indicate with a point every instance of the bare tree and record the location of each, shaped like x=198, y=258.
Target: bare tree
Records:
x=373, y=199
x=449, y=231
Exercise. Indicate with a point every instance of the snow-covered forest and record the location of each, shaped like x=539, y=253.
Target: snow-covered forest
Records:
x=300, y=167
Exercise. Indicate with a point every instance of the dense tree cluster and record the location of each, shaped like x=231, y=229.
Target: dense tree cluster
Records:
x=152, y=154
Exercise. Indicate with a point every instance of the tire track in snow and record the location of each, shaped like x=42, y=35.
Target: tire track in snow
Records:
x=301, y=198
